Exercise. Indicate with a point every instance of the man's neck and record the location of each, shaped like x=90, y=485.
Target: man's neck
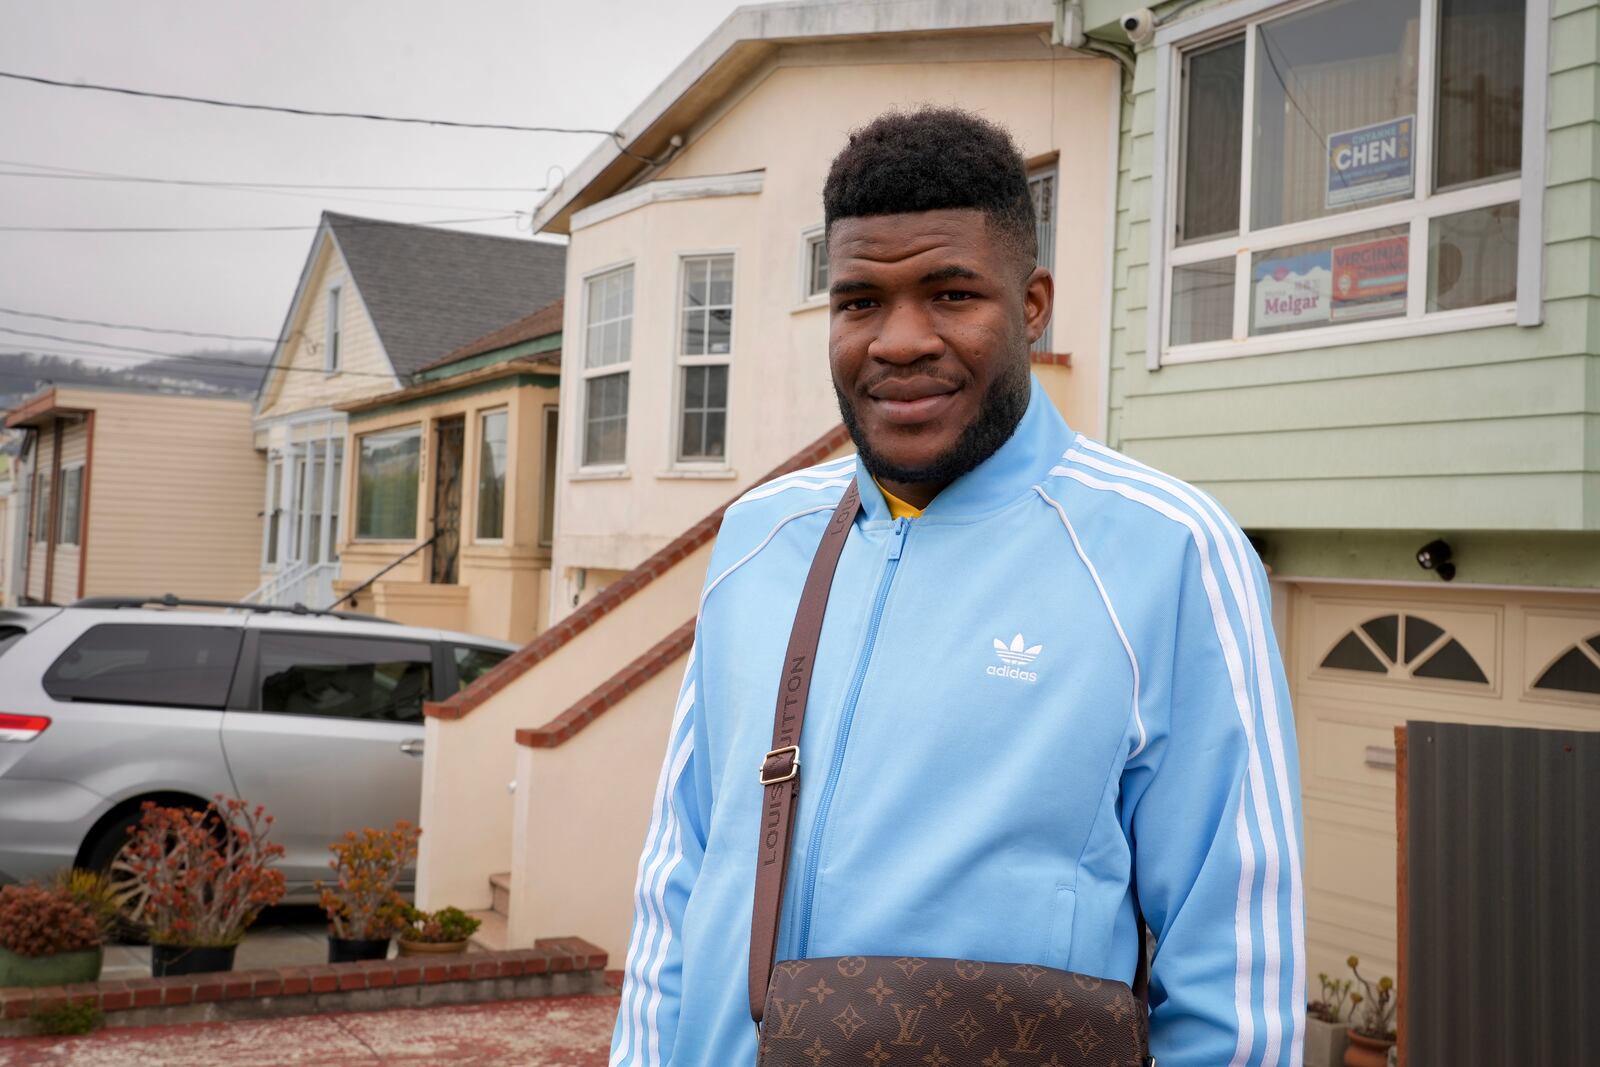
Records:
x=918, y=494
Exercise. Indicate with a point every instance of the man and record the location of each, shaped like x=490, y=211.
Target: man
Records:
x=1046, y=673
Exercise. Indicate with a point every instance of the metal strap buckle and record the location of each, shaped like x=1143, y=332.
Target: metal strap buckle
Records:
x=793, y=752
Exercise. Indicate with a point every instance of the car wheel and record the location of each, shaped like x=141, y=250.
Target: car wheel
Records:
x=108, y=854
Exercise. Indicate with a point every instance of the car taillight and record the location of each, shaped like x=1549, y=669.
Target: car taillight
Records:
x=21, y=727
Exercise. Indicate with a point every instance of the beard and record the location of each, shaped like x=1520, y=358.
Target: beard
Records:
x=1004, y=403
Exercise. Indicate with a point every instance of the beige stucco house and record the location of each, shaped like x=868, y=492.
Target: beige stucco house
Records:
x=115, y=508
x=456, y=473
x=376, y=302
x=694, y=366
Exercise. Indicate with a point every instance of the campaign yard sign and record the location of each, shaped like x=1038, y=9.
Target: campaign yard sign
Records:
x=1370, y=162
x=1294, y=291
x=1369, y=278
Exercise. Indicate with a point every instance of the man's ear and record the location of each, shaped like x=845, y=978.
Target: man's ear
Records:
x=1038, y=300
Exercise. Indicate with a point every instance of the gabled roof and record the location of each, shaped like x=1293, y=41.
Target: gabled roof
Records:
x=429, y=291
x=542, y=323
x=736, y=49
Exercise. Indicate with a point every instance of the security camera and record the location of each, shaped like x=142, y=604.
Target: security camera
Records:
x=1435, y=556
x=1139, y=25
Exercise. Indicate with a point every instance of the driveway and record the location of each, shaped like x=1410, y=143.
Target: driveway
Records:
x=553, y=1032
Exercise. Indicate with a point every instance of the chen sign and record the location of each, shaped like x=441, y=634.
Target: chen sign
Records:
x=1370, y=163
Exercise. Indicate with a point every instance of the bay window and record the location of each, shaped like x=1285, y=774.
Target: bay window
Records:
x=1342, y=170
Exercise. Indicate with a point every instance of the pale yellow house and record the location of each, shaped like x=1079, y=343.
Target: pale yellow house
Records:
x=137, y=494
x=694, y=366
x=455, y=475
x=376, y=302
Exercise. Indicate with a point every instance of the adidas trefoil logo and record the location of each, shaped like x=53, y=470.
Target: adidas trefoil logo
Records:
x=1016, y=657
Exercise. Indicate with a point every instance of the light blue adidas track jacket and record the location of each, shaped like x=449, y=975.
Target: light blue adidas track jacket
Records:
x=1066, y=666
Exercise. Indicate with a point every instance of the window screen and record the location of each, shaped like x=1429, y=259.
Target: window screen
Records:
x=345, y=677
x=141, y=663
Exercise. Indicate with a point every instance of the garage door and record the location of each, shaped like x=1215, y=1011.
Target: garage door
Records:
x=1364, y=659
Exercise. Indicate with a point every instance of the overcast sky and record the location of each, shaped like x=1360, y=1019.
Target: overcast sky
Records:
x=584, y=64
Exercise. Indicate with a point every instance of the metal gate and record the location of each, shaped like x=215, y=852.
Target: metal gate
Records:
x=449, y=439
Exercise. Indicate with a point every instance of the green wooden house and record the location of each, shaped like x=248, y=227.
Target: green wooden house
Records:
x=1356, y=296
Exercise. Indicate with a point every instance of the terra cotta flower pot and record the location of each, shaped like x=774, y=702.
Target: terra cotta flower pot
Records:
x=431, y=948
x=1366, y=1051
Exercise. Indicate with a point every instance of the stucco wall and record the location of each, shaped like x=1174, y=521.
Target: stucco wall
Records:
x=787, y=120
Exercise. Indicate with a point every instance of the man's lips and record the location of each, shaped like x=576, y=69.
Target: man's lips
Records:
x=910, y=401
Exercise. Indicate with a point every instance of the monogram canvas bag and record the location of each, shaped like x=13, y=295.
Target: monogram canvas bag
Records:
x=914, y=1011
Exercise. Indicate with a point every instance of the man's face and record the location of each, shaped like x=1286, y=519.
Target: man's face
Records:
x=932, y=316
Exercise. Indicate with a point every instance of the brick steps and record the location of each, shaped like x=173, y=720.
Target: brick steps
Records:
x=553, y=967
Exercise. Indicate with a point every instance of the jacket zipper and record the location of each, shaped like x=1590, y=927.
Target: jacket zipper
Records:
x=897, y=542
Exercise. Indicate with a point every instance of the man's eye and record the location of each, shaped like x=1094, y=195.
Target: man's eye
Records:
x=858, y=304
x=956, y=294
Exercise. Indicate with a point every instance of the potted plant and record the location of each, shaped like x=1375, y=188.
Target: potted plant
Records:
x=205, y=876
x=437, y=933
x=1371, y=1021
x=47, y=937
x=1325, y=1023
x=364, y=908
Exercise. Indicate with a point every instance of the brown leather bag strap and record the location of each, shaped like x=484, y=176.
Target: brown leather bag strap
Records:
x=780, y=770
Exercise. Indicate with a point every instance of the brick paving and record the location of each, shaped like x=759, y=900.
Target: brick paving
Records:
x=549, y=1032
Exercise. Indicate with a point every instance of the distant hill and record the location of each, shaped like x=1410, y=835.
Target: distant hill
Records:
x=201, y=373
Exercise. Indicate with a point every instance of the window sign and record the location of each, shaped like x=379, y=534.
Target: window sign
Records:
x=1369, y=279
x=1370, y=163
x=1295, y=291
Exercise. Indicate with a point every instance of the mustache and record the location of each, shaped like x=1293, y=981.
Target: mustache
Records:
x=866, y=385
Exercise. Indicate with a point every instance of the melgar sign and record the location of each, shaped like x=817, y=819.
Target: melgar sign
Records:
x=1370, y=162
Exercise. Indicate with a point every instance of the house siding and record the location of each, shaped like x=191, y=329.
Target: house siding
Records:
x=176, y=488
x=298, y=381
x=1479, y=430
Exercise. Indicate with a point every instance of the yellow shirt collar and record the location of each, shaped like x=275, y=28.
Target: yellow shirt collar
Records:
x=898, y=508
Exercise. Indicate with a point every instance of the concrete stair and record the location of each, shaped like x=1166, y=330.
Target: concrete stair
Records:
x=492, y=935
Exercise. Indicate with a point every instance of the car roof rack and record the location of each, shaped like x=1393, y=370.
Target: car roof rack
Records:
x=171, y=600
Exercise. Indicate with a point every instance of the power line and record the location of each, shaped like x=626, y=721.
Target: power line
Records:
x=226, y=187
x=75, y=172
x=239, y=229
x=313, y=112
x=220, y=364
x=130, y=326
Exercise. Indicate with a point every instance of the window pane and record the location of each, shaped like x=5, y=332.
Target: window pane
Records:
x=705, y=405
x=71, y=506
x=694, y=332
x=691, y=442
x=605, y=419
x=133, y=663
x=547, y=500
x=608, y=334
x=41, y=507
x=1472, y=258
x=1336, y=101
x=720, y=284
x=345, y=677
x=1202, y=302
x=1042, y=191
x=492, y=476
x=719, y=331
x=474, y=663
x=817, y=259
x=1479, y=133
x=1213, y=133
x=1362, y=276
x=274, y=507
x=386, y=485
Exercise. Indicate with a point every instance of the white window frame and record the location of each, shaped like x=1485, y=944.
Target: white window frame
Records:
x=811, y=237
x=1526, y=189
x=682, y=362
x=477, y=478
x=549, y=476
x=581, y=468
x=61, y=507
x=331, y=363
x=271, y=548
x=1047, y=257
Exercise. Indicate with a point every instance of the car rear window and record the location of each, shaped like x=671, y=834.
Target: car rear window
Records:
x=139, y=663
x=472, y=663
x=9, y=635
x=345, y=677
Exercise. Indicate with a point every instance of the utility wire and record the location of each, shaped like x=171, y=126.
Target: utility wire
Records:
x=219, y=363
x=103, y=175
x=615, y=135
x=313, y=112
x=130, y=326
x=239, y=229
x=226, y=187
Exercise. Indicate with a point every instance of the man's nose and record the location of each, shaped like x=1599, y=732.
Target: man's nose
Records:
x=906, y=336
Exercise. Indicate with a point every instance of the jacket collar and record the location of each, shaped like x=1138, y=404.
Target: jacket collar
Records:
x=1016, y=466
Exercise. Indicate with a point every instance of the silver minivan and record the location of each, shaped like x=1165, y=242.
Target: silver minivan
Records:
x=318, y=717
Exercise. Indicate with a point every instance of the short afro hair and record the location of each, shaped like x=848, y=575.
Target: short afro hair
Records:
x=931, y=159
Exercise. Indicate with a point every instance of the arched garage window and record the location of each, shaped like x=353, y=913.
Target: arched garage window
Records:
x=1577, y=670
x=1404, y=646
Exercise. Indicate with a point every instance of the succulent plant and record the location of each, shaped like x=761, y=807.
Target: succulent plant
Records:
x=38, y=920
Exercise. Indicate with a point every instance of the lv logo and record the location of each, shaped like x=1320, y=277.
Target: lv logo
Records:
x=788, y=1019
x=909, y=1019
x=1026, y=1028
